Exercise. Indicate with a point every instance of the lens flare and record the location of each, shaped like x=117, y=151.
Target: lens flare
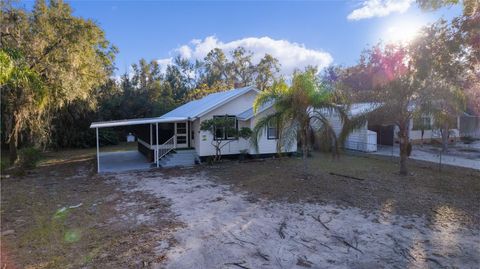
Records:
x=403, y=32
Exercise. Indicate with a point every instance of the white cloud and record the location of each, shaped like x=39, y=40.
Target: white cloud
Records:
x=290, y=55
x=163, y=63
x=379, y=8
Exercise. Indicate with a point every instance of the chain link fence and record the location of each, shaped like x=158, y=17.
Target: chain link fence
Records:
x=459, y=154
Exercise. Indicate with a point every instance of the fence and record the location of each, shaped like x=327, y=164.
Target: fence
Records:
x=470, y=126
x=457, y=156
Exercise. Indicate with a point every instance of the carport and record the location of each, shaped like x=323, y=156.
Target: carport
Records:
x=134, y=160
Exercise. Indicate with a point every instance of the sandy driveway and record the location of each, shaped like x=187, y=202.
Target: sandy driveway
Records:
x=224, y=229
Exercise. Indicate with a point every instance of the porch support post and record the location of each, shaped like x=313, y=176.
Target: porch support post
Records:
x=156, y=147
x=151, y=143
x=98, y=152
x=188, y=132
x=175, y=135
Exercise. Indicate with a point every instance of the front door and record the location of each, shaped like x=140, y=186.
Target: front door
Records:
x=181, y=132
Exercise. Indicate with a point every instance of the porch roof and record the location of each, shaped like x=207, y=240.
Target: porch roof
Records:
x=115, y=123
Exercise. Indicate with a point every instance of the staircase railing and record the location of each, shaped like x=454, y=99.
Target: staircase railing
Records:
x=166, y=147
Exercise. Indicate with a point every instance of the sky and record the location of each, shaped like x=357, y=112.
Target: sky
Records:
x=298, y=33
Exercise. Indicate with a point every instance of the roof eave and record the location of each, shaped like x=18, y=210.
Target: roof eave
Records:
x=201, y=114
x=260, y=111
x=108, y=124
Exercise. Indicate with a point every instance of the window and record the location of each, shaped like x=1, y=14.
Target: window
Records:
x=228, y=129
x=272, y=130
x=181, y=128
x=181, y=139
x=422, y=123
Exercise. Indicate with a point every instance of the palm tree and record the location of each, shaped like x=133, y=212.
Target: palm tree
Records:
x=300, y=109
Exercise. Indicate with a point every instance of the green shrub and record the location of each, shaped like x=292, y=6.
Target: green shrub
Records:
x=28, y=158
x=108, y=137
x=210, y=160
x=468, y=139
x=3, y=164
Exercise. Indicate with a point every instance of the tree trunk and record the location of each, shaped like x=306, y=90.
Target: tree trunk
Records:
x=305, y=152
x=12, y=149
x=403, y=135
x=218, y=153
x=445, y=129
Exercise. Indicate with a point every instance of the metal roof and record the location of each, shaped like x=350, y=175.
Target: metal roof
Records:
x=184, y=112
x=114, y=123
x=202, y=106
x=248, y=114
x=362, y=108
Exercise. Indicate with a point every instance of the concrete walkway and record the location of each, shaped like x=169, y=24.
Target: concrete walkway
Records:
x=418, y=154
x=123, y=161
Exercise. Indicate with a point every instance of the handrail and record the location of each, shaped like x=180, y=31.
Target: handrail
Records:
x=166, y=147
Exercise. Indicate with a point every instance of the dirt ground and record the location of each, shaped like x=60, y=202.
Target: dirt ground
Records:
x=349, y=213
x=453, y=192
x=355, y=211
x=63, y=215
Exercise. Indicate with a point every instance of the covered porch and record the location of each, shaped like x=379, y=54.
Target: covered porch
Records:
x=114, y=162
x=155, y=137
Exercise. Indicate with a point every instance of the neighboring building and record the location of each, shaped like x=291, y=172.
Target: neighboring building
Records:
x=422, y=131
x=362, y=139
x=469, y=126
x=369, y=137
x=180, y=128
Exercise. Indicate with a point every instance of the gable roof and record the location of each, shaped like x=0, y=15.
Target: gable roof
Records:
x=362, y=108
x=197, y=108
x=190, y=110
x=248, y=114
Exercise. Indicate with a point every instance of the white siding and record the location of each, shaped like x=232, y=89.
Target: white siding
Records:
x=196, y=135
x=361, y=139
x=203, y=139
x=416, y=135
x=234, y=107
x=265, y=145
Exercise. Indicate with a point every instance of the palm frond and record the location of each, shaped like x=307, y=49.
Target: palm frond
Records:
x=350, y=124
x=260, y=127
x=326, y=131
x=274, y=94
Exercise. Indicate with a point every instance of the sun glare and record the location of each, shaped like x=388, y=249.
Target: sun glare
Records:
x=402, y=33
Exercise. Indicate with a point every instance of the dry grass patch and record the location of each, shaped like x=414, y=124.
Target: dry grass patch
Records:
x=364, y=181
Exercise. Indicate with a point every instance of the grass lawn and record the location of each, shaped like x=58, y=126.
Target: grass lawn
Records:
x=72, y=155
x=66, y=155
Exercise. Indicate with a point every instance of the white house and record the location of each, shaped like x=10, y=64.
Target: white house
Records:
x=361, y=139
x=422, y=130
x=369, y=136
x=160, y=139
x=180, y=128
